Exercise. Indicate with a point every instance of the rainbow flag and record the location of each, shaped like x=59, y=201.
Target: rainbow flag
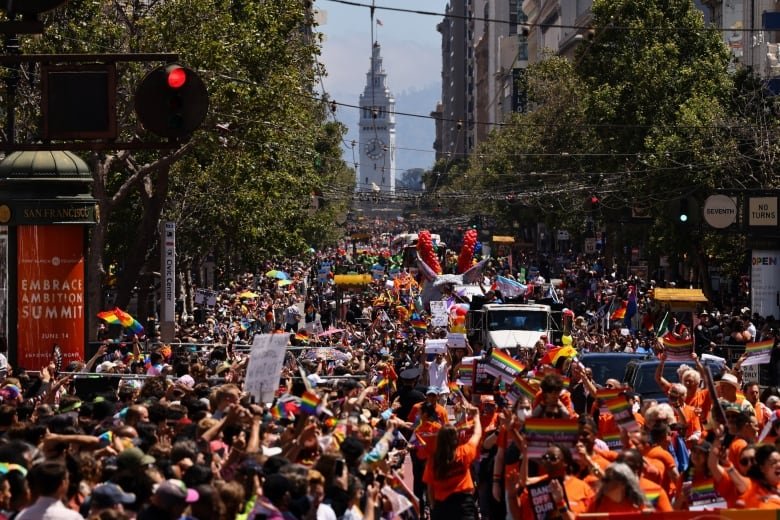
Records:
x=453, y=386
x=466, y=374
x=331, y=422
x=612, y=440
x=539, y=433
x=607, y=393
x=502, y=358
x=621, y=411
x=620, y=312
x=302, y=335
x=522, y=387
x=566, y=382
x=677, y=349
x=117, y=316
x=760, y=346
x=310, y=401
x=420, y=325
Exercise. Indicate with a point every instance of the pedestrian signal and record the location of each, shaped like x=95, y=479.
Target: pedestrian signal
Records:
x=171, y=101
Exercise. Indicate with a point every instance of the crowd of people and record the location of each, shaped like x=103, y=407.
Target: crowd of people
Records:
x=366, y=424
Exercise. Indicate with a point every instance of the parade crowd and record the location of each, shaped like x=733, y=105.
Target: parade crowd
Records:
x=366, y=424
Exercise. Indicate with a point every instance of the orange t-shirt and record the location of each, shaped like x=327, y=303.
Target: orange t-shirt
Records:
x=756, y=497
x=426, y=436
x=441, y=413
x=661, y=454
x=603, y=463
x=458, y=477
x=692, y=420
x=701, y=400
x=578, y=493
x=655, y=494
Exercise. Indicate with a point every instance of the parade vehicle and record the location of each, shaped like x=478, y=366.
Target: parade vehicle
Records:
x=511, y=326
x=610, y=365
x=640, y=375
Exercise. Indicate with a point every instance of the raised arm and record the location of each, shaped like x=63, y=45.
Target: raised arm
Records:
x=659, y=373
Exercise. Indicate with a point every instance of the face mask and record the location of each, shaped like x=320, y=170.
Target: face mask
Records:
x=635, y=408
x=522, y=413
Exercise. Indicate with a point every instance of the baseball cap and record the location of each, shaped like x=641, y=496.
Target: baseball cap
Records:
x=133, y=458
x=174, y=491
x=315, y=379
x=108, y=495
x=105, y=366
x=432, y=390
x=730, y=379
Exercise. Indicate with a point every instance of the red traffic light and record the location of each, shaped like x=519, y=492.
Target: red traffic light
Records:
x=176, y=76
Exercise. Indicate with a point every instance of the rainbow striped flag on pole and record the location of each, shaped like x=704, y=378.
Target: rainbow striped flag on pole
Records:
x=502, y=365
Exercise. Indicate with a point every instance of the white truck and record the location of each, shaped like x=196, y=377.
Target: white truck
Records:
x=511, y=326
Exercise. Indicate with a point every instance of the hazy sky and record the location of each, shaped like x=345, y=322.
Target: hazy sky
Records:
x=411, y=52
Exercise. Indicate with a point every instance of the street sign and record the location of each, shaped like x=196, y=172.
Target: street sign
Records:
x=762, y=212
x=720, y=211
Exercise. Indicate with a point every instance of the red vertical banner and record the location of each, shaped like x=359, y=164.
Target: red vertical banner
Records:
x=50, y=293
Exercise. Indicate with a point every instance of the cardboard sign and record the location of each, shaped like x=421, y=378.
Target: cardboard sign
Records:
x=703, y=496
x=264, y=371
x=758, y=353
x=435, y=346
x=456, y=340
x=484, y=380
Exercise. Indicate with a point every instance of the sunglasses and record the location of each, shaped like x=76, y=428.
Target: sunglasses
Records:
x=747, y=461
x=549, y=457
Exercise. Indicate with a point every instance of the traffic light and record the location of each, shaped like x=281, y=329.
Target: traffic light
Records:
x=683, y=215
x=171, y=101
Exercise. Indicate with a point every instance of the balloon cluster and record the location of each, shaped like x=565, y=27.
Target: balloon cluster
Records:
x=425, y=248
x=458, y=314
x=467, y=250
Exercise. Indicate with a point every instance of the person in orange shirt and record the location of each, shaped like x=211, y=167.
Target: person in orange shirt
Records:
x=744, y=428
x=558, y=464
x=619, y=492
x=424, y=436
x=592, y=461
x=752, y=392
x=448, y=473
x=764, y=476
x=708, y=485
x=431, y=396
x=684, y=413
x=656, y=495
x=552, y=400
x=697, y=398
x=659, y=441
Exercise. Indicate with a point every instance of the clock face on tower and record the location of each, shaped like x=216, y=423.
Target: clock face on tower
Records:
x=375, y=148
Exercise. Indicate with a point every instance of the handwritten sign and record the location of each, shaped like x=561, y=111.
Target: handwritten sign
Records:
x=265, y=366
x=439, y=316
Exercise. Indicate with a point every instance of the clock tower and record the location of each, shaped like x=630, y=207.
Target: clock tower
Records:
x=377, y=130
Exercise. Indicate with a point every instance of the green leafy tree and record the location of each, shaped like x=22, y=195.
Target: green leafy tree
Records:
x=248, y=184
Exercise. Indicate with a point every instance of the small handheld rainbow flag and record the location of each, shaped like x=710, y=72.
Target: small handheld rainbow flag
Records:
x=420, y=325
x=522, y=387
x=302, y=335
x=759, y=347
x=502, y=358
x=310, y=401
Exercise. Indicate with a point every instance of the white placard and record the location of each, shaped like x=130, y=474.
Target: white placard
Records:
x=764, y=281
x=265, y=366
x=439, y=317
x=435, y=346
x=456, y=340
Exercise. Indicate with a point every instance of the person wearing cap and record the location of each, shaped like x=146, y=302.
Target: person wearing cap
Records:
x=743, y=427
x=169, y=501
x=432, y=397
x=133, y=458
x=728, y=386
x=407, y=395
x=49, y=482
x=109, y=496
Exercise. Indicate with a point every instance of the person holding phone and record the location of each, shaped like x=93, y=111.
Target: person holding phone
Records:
x=448, y=472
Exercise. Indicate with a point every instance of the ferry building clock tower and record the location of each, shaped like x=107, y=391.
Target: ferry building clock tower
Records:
x=377, y=131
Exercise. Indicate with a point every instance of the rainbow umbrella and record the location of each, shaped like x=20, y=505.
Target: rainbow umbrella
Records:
x=248, y=294
x=117, y=316
x=279, y=275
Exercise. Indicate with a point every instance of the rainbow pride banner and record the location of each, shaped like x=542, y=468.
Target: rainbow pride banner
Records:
x=677, y=349
x=621, y=411
x=503, y=366
x=466, y=374
x=539, y=433
x=758, y=352
x=613, y=441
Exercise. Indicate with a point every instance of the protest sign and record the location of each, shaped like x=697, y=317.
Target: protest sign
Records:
x=677, y=349
x=502, y=365
x=484, y=381
x=542, y=503
x=758, y=352
x=435, y=346
x=265, y=366
x=466, y=370
x=703, y=496
x=439, y=316
x=456, y=340
x=540, y=433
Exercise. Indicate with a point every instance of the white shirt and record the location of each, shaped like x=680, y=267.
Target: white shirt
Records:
x=437, y=376
x=48, y=508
